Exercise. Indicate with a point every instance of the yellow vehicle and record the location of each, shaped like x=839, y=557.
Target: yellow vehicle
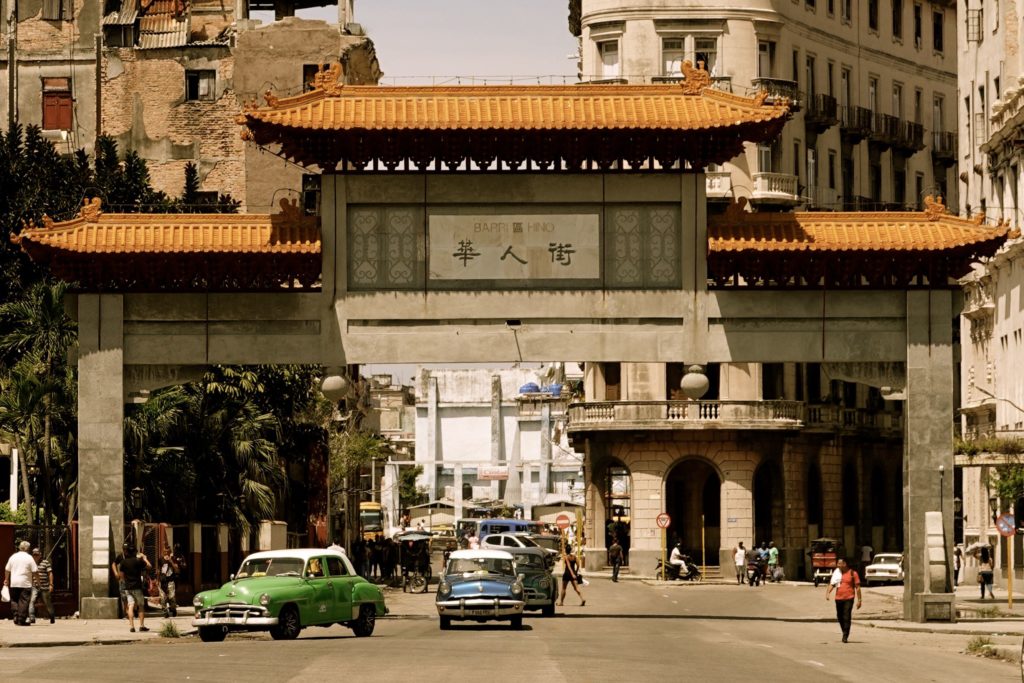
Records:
x=371, y=520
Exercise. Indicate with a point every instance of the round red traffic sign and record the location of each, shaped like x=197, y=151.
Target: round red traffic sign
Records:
x=663, y=520
x=563, y=521
x=1006, y=524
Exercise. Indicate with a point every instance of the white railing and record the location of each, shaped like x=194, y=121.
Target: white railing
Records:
x=648, y=414
x=831, y=417
x=718, y=184
x=775, y=186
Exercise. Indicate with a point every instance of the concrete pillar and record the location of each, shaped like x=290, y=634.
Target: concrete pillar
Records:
x=643, y=381
x=195, y=544
x=830, y=459
x=794, y=544
x=545, y=453
x=433, y=457
x=273, y=535
x=222, y=552
x=739, y=382
x=459, y=502
x=100, y=449
x=927, y=450
x=737, y=505
x=497, y=435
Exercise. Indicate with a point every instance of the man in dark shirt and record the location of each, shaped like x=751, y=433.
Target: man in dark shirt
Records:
x=133, y=569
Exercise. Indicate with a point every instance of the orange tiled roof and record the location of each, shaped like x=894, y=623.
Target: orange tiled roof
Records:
x=95, y=232
x=930, y=230
x=519, y=108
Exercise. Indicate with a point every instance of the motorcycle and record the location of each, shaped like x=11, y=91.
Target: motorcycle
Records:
x=670, y=572
x=756, y=571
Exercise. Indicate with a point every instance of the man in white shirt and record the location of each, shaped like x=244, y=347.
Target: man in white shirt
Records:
x=18, y=578
x=739, y=556
x=676, y=559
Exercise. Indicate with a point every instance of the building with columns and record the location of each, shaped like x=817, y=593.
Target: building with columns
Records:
x=873, y=88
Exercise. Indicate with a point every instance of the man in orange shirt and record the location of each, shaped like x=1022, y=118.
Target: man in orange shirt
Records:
x=846, y=584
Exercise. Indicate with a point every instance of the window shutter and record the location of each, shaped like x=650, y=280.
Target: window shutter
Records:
x=51, y=10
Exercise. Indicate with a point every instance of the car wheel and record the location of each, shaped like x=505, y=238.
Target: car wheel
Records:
x=446, y=623
x=288, y=624
x=363, y=626
x=212, y=634
x=548, y=610
x=418, y=584
x=517, y=622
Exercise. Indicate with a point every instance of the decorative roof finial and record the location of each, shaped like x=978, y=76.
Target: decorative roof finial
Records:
x=329, y=79
x=91, y=210
x=695, y=79
x=933, y=208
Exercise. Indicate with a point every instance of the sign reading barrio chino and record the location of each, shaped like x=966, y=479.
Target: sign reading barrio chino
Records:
x=515, y=247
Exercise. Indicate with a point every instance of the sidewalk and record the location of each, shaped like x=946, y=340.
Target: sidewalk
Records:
x=990, y=617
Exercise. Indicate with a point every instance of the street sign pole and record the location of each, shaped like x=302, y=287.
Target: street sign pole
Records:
x=703, y=550
x=1007, y=527
x=664, y=541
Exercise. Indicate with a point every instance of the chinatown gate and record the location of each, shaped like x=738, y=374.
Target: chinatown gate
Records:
x=539, y=223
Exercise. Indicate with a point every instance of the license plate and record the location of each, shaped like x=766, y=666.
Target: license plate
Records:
x=479, y=612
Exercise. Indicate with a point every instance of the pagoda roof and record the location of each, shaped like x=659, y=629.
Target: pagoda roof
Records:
x=513, y=127
x=193, y=251
x=886, y=249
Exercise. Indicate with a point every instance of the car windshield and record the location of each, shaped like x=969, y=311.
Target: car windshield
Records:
x=529, y=561
x=887, y=559
x=479, y=565
x=270, y=566
x=549, y=542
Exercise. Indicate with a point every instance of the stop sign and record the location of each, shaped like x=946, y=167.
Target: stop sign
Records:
x=563, y=521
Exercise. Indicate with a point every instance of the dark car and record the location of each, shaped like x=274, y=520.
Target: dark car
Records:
x=540, y=589
x=480, y=585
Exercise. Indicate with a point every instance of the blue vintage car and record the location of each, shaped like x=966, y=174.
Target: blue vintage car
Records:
x=480, y=585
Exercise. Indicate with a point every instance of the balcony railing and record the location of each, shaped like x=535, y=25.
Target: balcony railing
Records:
x=777, y=88
x=822, y=113
x=832, y=418
x=855, y=123
x=910, y=138
x=944, y=147
x=619, y=415
x=775, y=188
x=885, y=129
x=718, y=185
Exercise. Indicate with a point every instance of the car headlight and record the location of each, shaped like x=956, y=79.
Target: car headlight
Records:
x=444, y=588
x=517, y=589
x=265, y=599
x=197, y=601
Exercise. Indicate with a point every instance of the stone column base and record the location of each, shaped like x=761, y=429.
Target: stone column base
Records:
x=99, y=608
x=933, y=607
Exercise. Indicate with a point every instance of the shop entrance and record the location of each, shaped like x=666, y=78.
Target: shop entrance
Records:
x=693, y=494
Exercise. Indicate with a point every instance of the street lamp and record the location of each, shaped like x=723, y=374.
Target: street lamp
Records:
x=993, y=504
x=136, y=494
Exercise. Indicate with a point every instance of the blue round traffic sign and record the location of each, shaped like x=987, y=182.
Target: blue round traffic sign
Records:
x=1006, y=524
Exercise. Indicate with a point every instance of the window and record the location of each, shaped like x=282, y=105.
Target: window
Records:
x=57, y=104
x=918, y=94
x=764, y=158
x=57, y=10
x=672, y=57
x=812, y=166
x=796, y=159
x=765, y=58
x=873, y=15
x=937, y=22
x=937, y=117
x=917, y=25
x=706, y=50
x=335, y=566
x=199, y=86
x=873, y=93
x=809, y=77
x=830, y=78
x=830, y=7
x=847, y=10
x=897, y=19
x=897, y=100
x=845, y=87
x=831, y=169
x=796, y=66
x=609, y=51
x=918, y=189
x=809, y=4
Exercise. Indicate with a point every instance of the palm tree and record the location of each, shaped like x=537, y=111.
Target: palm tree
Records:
x=22, y=392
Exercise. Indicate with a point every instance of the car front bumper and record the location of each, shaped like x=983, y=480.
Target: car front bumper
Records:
x=235, y=616
x=480, y=608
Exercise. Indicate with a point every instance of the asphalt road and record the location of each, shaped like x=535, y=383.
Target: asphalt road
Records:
x=628, y=631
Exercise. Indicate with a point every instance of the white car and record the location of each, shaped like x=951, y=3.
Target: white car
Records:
x=509, y=541
x=884, y=568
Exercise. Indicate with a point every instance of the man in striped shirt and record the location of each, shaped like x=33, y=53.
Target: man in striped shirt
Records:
x=42, y=585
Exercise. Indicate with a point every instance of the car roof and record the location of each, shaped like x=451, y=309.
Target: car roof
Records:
x=888, y=555
x=301, y=553
x=486, y=554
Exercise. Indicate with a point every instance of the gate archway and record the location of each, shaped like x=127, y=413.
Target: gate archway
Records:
x=618, y=491
x=693, y=498
x=769, y=503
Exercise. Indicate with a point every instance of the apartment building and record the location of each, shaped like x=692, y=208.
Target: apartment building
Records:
x=872, y=83
x=167, y=78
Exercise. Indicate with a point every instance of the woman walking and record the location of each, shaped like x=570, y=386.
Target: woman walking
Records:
x=985, y=570
x=570, y=575
x=846, y=583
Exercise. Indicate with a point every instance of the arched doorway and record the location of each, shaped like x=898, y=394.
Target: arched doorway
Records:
x=851, y=509
x=618, y=489
x=815, y=502
x=769, y=503
x=693, y=494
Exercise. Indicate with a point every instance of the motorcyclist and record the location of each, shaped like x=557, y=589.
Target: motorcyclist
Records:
x=678, y=560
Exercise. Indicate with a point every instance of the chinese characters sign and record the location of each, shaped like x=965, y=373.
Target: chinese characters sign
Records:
x=515, y=247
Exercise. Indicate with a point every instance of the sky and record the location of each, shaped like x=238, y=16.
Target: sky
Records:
x=442, y=41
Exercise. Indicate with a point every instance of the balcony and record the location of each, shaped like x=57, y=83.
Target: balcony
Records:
x=944, y=148
x=775, y=188
x=855, y=123
x=885, y=130
x=778, y=88
x=831, y=418
x=910, y=138
x=718, y=185
x=609, y=416
x=822, y=113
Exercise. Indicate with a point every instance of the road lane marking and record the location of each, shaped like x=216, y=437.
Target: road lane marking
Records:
x=811, y=661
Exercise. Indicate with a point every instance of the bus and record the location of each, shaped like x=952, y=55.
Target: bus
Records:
x=371, y=520
x=483, y=527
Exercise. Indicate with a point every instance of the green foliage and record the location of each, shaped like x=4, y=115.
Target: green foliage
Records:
x=1006, y=446
x=981, y=646
x=169, y=630
x=352, y=452
x=408, y=492
x=19, y=516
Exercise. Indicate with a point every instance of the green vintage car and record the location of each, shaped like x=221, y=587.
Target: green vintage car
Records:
x=284, y=591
